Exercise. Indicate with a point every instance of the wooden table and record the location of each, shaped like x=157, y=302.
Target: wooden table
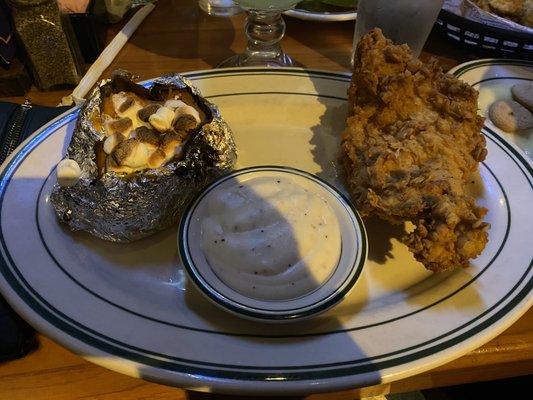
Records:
x=177, y=36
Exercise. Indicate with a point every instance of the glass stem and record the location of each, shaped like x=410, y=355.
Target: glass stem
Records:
x=264, y=31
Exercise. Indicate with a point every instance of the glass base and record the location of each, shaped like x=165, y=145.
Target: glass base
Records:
x=218, y=9
x=244, y=60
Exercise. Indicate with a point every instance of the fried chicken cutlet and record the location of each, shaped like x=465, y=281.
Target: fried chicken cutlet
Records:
x=411, y=143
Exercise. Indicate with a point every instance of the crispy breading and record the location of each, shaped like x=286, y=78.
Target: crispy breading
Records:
x=411, y=143
x=516, y=10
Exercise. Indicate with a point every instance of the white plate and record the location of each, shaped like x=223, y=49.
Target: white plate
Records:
x=493, y=78
x=128, y=307
x=321, y=16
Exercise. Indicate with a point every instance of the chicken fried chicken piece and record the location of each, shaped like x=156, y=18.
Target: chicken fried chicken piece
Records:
x=520, y=11
x=411, y=143
x=512, y=8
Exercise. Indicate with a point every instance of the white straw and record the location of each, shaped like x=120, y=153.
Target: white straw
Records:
x=107, y=56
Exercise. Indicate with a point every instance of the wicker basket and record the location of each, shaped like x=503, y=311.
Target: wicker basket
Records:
x=487, y=41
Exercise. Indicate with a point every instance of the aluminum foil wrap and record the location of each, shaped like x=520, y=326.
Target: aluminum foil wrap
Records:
x=124, y=208
x=470, y=10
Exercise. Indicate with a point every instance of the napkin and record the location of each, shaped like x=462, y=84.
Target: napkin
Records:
x=17, y=122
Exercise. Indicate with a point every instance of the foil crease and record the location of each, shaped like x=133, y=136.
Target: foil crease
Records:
x=470, y=10
x=122, y=208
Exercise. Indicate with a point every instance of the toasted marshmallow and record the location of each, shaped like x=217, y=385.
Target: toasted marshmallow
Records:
x=111, y=142
x=132, y=153
x=144, y=113
x=147, y=135
x=184, y=124
x=172, y=146
x=126, y=104
x=112, y=166
x=186, y=119
x=173, y=104
x=68, y=172
x=157, y=159
x=120, y=101
x=162, y=119
x=120, y=125
x=188, y=110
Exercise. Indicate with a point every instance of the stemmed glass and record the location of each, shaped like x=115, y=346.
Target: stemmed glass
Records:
x=264, y=29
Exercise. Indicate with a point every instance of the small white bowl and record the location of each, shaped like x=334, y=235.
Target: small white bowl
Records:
x=351, y=260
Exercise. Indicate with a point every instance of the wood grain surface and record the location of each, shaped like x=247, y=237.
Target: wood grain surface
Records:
x=177, y=36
